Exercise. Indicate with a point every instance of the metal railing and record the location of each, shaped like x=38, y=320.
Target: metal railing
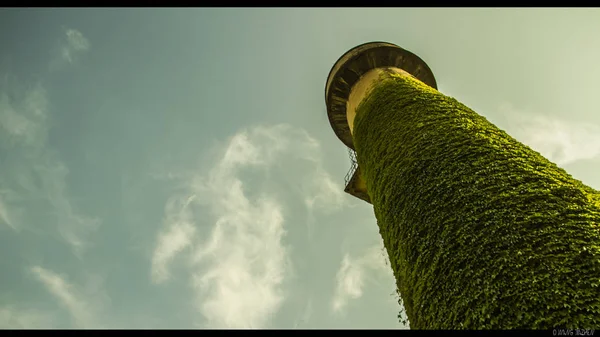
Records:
x=353, y=166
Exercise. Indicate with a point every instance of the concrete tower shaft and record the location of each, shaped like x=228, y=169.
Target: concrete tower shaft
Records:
x=482, y=232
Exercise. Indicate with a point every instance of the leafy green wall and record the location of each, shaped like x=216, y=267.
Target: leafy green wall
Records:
x=481, y=231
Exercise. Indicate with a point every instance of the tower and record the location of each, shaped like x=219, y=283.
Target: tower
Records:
x=481, y=231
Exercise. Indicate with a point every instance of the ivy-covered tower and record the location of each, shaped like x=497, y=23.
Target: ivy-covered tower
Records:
x=482, y=232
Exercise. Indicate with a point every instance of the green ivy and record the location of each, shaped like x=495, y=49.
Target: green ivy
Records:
x=482, y=232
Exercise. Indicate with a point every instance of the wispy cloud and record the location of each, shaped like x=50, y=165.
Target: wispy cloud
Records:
x=7, y=216
x=69, y=296
x=73, y=226
x=32, y=170
x=16, y=318
x=324, y=194
x=352, y=276
x=23, y=115
x=306, y=314
x=75, y=43
x=239, y=268
x=561, y=141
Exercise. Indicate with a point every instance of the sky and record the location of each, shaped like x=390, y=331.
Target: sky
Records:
x=175, y=168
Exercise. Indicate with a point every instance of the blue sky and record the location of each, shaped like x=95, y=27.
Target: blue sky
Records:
x=175, y=168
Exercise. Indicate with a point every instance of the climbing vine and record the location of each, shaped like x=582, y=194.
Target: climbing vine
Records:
x=482, y=232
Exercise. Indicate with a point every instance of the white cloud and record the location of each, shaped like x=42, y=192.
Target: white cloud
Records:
x=239, y=268
x=350, y=282
x=69, y=296
x=172, y=241
x=245, y=261
x=14, y=318
x=75, y=43
x=561, y=141
x=241, y=265
x=353, y=274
